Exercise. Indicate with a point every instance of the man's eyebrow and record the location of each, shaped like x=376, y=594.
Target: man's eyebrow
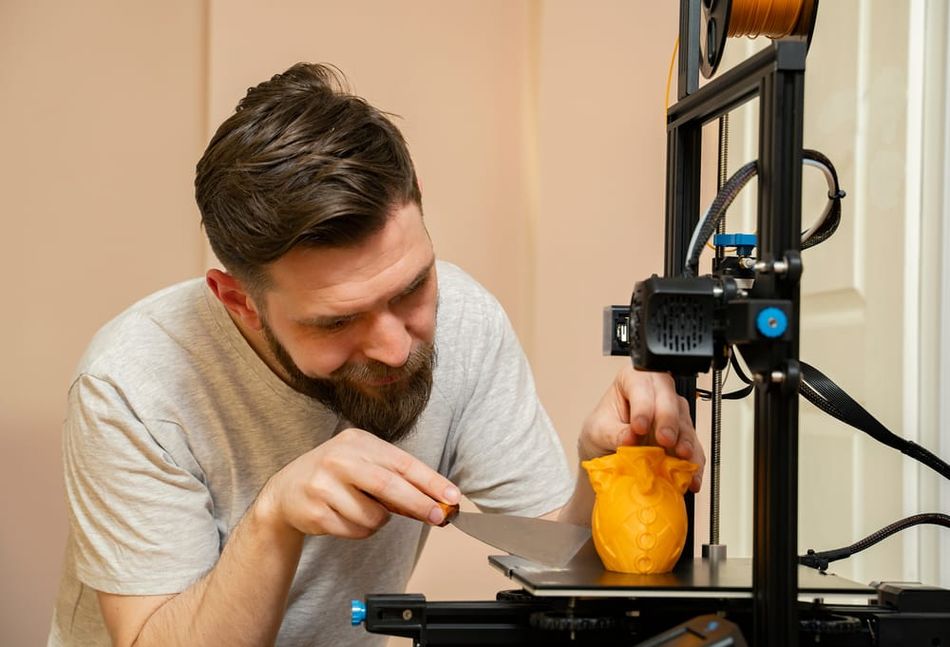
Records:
x=322, y=321
x=327, y=320
x=419, y=280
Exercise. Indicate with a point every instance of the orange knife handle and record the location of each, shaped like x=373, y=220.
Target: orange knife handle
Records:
x=449, y=510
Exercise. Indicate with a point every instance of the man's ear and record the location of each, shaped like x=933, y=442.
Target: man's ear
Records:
x=235, y=297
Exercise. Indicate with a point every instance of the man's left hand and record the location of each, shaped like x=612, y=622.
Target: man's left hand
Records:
x=640, y=408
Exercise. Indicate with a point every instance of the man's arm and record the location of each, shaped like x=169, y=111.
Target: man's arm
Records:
x=240, y=601
x=341, y=488
x=638, y=408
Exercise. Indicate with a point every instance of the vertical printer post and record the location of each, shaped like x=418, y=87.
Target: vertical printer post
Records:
x=776, y=77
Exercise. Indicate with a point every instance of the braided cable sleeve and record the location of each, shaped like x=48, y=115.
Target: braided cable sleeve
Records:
x=821, y=158
x=707, y=226
x=734, y=185
x=830, y=220
x=820, y=560
x=827, y=228
x=818, y=389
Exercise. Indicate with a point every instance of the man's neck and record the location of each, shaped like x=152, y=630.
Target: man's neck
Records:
x=255, y=339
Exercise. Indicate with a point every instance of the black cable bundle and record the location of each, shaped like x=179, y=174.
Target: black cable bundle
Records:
x=738, y=394
x=829, y=221
x=832, y=217
x=821, y=560
x=717, y=210
x=818, y=389
x=821, y=391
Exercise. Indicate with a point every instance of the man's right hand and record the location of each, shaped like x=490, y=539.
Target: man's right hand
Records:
x=348, y=485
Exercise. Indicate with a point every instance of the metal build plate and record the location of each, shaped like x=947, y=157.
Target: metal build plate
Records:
x=585, y=576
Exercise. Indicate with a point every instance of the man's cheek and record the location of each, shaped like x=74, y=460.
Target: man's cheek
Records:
x=321, y=362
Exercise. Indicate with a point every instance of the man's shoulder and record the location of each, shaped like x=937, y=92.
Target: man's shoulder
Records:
x=148, y=330
x=470, y=319
x=453, y=278
x=459, y=291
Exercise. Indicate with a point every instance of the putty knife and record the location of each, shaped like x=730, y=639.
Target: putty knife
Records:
x=546, y=542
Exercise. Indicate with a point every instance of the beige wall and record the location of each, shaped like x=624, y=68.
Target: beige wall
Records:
x=536, y=126
x=101, y=120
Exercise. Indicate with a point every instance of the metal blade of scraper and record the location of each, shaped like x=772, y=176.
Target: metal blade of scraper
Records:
x=551, y=543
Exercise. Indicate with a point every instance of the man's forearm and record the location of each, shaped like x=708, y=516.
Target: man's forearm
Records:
x=242, y=600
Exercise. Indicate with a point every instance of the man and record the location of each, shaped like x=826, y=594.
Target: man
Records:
x=235, y=448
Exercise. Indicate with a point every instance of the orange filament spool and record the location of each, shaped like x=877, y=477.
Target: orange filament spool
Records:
x=752, y=18
x=771, y=18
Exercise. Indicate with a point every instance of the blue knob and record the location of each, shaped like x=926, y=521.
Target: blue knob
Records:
x=357, y=612
x=771, y=322
x=744, y=243
x=712, y=626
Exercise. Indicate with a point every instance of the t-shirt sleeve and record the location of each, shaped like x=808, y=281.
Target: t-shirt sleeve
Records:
x=140, y=516
x=507, y=455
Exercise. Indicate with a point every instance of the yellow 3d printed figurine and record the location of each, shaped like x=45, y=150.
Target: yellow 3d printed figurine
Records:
x=639, y=518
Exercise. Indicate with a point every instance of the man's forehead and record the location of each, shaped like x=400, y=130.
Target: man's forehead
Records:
x=341, y=278
x=356, y=295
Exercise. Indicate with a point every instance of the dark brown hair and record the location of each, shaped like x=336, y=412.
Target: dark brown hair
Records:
x=300, y=162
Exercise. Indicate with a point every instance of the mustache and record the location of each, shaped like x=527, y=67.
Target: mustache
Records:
x=372, y=370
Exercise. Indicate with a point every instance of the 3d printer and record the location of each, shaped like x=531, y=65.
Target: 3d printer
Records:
x=745, y=312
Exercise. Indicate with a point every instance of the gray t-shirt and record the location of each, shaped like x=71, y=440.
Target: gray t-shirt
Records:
x=174, y=424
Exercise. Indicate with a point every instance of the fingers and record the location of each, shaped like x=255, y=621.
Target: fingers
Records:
x=348, y=486
x=686, y=447
x=423, y=477
x=656, y=414
x=638, y=389
x=640, y=408
x=654, y=405
x=313, y=502
x=397, y=493
x=673, y=413
x=354, y=515
x=608, y=425
x=666, y=416
x=689, y=447
x=395, y=478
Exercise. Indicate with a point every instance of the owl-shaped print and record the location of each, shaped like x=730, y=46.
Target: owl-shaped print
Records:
x=639, y=518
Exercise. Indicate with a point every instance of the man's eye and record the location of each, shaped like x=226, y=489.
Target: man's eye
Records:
x=336, y=324
x=413, y=291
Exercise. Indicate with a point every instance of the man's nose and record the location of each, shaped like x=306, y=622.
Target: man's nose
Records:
x=387, y=340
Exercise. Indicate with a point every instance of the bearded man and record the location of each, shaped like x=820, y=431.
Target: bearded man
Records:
x=235, y=447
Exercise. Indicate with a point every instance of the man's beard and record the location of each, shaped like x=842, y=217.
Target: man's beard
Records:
x=389, y=411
